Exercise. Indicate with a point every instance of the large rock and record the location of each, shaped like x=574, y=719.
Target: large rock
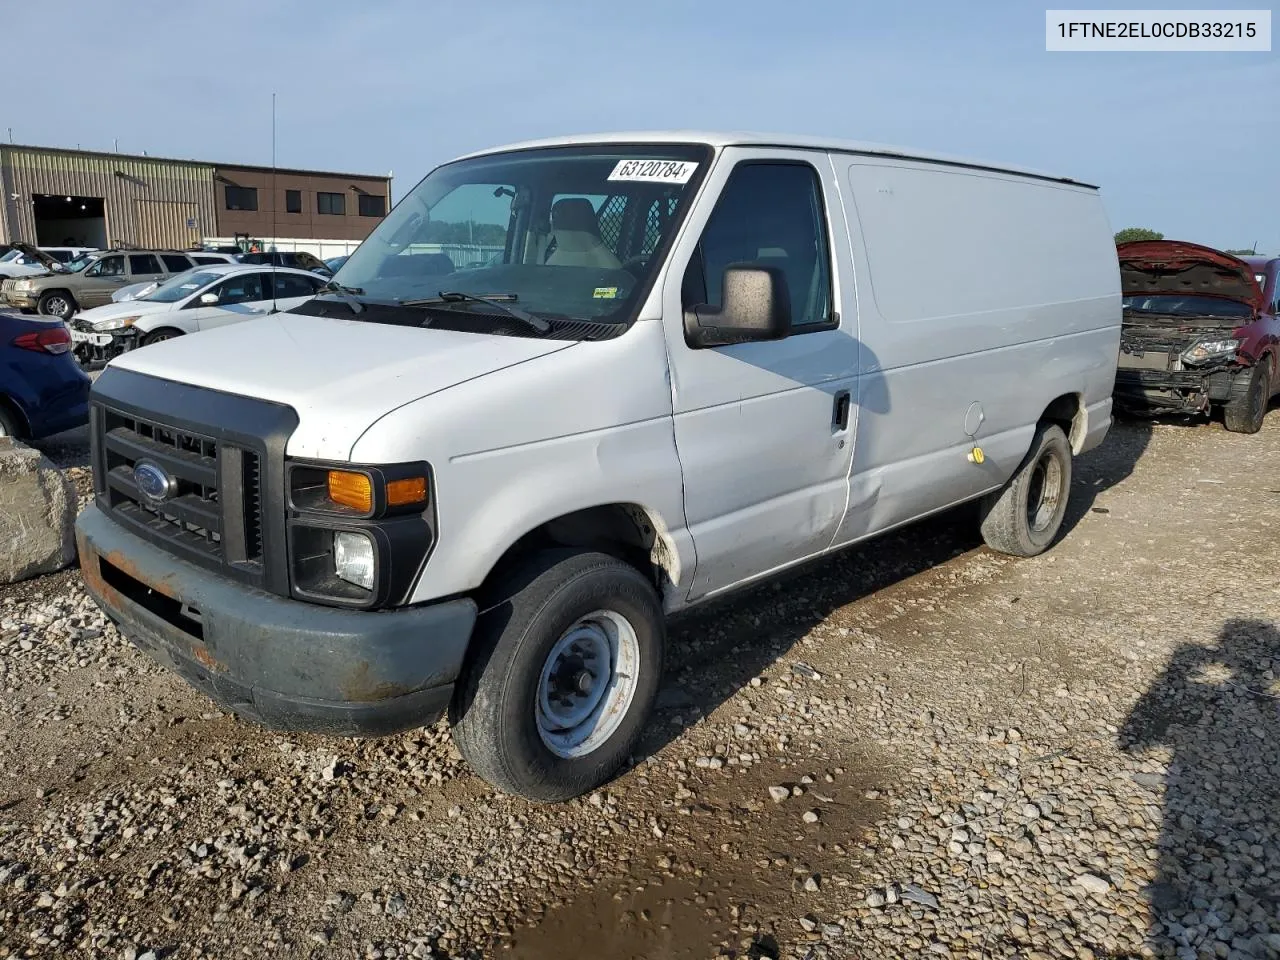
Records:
x=37, y=514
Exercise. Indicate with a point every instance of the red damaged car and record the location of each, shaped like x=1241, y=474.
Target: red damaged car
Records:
x=1197, y=331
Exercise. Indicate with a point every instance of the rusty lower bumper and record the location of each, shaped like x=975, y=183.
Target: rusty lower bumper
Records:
x=283, y=663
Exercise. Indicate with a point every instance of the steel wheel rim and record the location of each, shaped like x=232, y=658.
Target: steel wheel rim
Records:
x=1044, y=493
x=587, y=684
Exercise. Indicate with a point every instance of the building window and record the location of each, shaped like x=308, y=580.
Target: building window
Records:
x=331, y=203
x=372, y=205
x=293, y=201
x=242, y=198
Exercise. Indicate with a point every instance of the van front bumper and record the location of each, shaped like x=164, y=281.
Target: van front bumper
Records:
x=283, y=663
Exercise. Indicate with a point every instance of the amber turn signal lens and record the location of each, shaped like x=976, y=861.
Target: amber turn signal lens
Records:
x=401, y=493
x=354, y=490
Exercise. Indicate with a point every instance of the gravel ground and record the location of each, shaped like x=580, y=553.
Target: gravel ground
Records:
x=918, y=748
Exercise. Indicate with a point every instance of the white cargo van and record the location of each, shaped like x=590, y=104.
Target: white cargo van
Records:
x=569, y=387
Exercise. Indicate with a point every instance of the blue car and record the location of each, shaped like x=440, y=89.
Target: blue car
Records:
x=42, y=388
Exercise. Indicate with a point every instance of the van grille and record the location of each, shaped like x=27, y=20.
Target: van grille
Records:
x=192, y=518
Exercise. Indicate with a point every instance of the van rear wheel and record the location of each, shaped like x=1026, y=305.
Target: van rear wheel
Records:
x=1023, y=518
x=562, y=675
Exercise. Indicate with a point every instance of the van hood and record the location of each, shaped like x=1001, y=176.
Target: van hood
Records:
x=1180, y=268
x=338, y=375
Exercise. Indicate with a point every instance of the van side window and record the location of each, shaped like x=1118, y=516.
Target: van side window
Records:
x=771, y=215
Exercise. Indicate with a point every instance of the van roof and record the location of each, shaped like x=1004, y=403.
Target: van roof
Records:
x=746, y=139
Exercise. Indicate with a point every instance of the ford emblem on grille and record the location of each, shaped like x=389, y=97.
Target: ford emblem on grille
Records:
x=153, y=481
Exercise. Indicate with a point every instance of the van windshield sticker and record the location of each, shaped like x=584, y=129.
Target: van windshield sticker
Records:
x=605, y=293
x=654, y=171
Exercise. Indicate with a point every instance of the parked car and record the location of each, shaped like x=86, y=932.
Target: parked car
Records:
x=480, y=491
x=24, y=260
x=1199, y=332
x=42, y=390
x=8, y=297
x=62, y=295
x=136, y=291
x=300, y=260
x=335, y=263
x=200, y=299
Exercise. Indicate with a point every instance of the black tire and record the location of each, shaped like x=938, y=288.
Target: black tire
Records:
x=1247, y=403
x=10, y=426
x=56, y=303
x=160, y=336
x=496, y=707
x=1024, y=516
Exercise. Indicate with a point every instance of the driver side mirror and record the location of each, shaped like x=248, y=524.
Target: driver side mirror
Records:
x=208, y=299
x=756, y=306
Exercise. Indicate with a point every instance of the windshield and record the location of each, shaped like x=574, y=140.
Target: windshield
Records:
x=183, y=285
x=1188, y=306
x=11, y=256
x=565, y=232
x=80, y=262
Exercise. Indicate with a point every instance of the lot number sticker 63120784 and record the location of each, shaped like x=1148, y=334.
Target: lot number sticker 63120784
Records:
x=654, y=171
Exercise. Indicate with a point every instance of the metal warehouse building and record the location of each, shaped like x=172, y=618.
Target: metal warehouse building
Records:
x=56, y=197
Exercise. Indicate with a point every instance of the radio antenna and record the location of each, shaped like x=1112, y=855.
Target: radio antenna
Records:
x=275, y=204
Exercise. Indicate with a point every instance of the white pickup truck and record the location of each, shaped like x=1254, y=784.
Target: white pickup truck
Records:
x=478, y=485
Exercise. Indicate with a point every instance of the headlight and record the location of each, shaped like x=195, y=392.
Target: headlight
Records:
x=117, y=324
x=22, y=285
x=358, y=534
x=353, y=558
x=1208, y=349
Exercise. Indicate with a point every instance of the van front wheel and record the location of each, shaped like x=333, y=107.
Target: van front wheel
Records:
x=562, y=675
x=1023, y=517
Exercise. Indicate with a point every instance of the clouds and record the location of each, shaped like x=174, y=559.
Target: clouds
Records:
x=1181, y=142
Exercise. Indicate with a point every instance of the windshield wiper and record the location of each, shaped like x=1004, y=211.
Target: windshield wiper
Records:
x=499, y=301
x=346, y=293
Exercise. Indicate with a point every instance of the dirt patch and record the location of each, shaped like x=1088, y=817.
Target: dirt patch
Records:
x=725, y=868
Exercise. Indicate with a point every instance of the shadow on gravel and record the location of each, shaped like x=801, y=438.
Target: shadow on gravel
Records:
x=715, y=651
x=1216, y=709
x=1101, y=469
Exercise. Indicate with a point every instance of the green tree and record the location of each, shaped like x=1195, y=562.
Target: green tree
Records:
x=1138, y=233
x=1242, y=253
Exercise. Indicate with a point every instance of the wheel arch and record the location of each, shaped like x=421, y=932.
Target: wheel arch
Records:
x=11, y=407
x=148, y=332
x=631, y=532
x=1068, y=411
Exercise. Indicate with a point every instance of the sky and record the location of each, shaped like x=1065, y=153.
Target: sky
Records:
x=1184, y=143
